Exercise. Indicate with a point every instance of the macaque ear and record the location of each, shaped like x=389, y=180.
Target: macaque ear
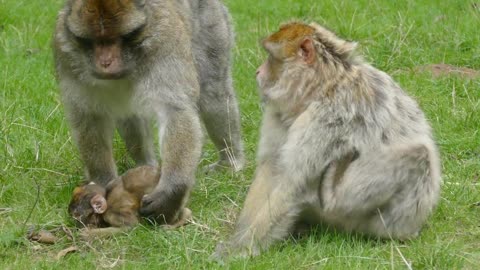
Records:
x=307, y=51
x=99, y=204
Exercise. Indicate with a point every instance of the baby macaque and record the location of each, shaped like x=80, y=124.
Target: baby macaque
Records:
x=117, y=205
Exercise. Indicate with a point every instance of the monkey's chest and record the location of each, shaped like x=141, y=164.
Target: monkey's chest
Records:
x=114, y=98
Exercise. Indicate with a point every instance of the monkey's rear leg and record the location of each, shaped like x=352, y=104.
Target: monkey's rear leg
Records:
x=88, y=234
x=389, y=194
x=137, y=134
x=221, y=116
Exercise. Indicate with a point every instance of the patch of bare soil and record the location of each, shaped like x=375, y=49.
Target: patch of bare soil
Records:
x=443, y=70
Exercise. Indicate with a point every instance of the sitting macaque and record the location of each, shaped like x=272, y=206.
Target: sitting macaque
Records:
x=341, y=144
x=117, y=205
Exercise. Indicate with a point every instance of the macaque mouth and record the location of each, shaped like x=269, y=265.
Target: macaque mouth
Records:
x=102, y=75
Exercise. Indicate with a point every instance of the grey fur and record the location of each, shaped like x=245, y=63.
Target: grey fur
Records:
x=345, y=146
x=180, y=71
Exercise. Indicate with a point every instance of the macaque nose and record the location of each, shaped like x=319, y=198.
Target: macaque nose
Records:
x=106, y=62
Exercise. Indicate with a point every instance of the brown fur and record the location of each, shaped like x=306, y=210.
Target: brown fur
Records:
x=289, y=36
x=123, y=200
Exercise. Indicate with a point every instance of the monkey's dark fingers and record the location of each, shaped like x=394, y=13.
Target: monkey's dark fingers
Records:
x=161, y=206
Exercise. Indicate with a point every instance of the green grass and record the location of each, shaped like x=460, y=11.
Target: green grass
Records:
x=36, y=150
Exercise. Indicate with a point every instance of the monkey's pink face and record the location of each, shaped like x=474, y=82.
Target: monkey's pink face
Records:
x=107, y=34
x=268, y=73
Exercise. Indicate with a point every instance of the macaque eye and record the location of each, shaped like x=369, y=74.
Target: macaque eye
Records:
x=133, y=36
x=84, y=42
x=272, y=60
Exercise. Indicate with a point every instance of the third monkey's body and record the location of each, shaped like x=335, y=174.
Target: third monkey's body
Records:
x=341, y=143
x=125, y=63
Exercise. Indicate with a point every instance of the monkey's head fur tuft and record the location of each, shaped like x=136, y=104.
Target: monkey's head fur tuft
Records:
x=289, y=39
x=303, y=61
x=285, y=42
x=329, y=41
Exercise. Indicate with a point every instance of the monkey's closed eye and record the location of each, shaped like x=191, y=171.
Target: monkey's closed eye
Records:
x=134, y=36
x=82, y=41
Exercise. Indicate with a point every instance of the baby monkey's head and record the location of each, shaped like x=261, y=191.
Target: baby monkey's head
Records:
x=88, y=204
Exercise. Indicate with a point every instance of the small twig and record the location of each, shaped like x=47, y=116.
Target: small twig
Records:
x=37, y=198
x=228, y=198
x=203, y=226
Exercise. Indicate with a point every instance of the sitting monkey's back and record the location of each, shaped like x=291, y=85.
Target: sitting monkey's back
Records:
x=341, y=143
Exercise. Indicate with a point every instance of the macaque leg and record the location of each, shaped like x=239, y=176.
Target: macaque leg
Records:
x=269, y=213
x=180, y=152
x=220, y=113
x=387, y=195
x=137, y=134
x=94, y=134
x=102, y=232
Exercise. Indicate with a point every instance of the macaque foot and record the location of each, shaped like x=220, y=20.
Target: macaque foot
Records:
x=234, y=165
x=225, y=251
x=183, y=219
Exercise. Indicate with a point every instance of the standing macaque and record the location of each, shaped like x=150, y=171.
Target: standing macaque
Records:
x=95, y=207
x=341, y=143
x=125, y=63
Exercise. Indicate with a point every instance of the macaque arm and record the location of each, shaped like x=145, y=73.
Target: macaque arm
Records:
x=180, y=152
x=273, y=136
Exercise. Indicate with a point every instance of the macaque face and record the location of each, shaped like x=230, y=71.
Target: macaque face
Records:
x=107, y=34
x=269, y=72
x=292, y=46
x=87, y=205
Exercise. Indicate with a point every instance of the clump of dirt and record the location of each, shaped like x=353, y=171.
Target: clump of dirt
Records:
x=442, y=70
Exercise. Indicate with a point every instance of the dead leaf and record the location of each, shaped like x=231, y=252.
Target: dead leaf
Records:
x=43, y=237
x=64, y=252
